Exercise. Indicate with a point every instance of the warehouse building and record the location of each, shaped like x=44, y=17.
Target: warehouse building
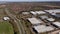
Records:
x=50, y=19
x=37, y=12
x=56, y=24
x=40, y=12
x=57, y=15
x=32, y=12
x=53, y=11
x=43, y=28
x=34, y=21
x=25, y=13
x=43, y=17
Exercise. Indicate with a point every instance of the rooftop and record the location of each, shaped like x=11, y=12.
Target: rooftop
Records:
x=44, y=17
x=34, y=13
x=40, y=12
x=25, y=12
x=34, y=20
x=50, y=19
x=57, y=23
x=43, y=28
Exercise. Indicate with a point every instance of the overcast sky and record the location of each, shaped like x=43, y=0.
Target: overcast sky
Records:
x=29, y=0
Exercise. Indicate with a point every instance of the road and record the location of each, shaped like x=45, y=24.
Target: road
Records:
x=16, y=20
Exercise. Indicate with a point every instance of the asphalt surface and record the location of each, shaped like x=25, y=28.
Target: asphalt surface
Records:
x=17, y=21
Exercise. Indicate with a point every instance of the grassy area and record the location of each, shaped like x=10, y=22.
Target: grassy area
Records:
x=6, y=28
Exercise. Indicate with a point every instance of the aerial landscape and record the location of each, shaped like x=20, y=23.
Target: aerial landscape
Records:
x=30, y=18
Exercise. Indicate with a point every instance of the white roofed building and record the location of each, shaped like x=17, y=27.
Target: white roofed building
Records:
x=54, y=10
x=57, y=24
x=6, y=18
x=43, y=28
x=34, y=21
x=44, y=17
x=37, y=12
x=50, y=19
x=25, y=12
x=40, y=12
x=32, y=12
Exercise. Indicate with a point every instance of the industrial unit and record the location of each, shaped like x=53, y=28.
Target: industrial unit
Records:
x=43, y=28
x=43, y=17
x=50, y=19
x=42, y=21
x=56, y=24
x=34, y=21
x=54, y=12
x=37, y=12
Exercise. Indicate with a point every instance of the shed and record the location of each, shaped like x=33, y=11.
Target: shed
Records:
x=44, y=17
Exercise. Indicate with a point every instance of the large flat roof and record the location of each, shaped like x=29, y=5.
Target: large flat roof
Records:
x=37, y=12
x=34, y=13
x=34, y=20
x=54, y=10
x=44, y=17
x=50, y=19
x=40, y=12
x=43, y=28
x=57, y=23
x=57, y=15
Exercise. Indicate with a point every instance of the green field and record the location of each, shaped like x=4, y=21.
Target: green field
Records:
x=6, y=28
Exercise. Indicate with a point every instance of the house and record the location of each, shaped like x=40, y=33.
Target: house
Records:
x=53, y=11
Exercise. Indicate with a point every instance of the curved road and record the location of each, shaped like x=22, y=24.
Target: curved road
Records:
x=17, y=21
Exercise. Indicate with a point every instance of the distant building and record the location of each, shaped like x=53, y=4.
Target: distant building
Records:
x=53, y=11
x=43, y=28
x=25, y=12
x=50, y=19
x=40, y=12
x=6, y=18
x=32, y=12
x=56, y=24
x=44, y=17
x=57, y=15
x=34, y=21
x=37, y=12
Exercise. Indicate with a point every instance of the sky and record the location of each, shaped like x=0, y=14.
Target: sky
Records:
x=28, y=0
